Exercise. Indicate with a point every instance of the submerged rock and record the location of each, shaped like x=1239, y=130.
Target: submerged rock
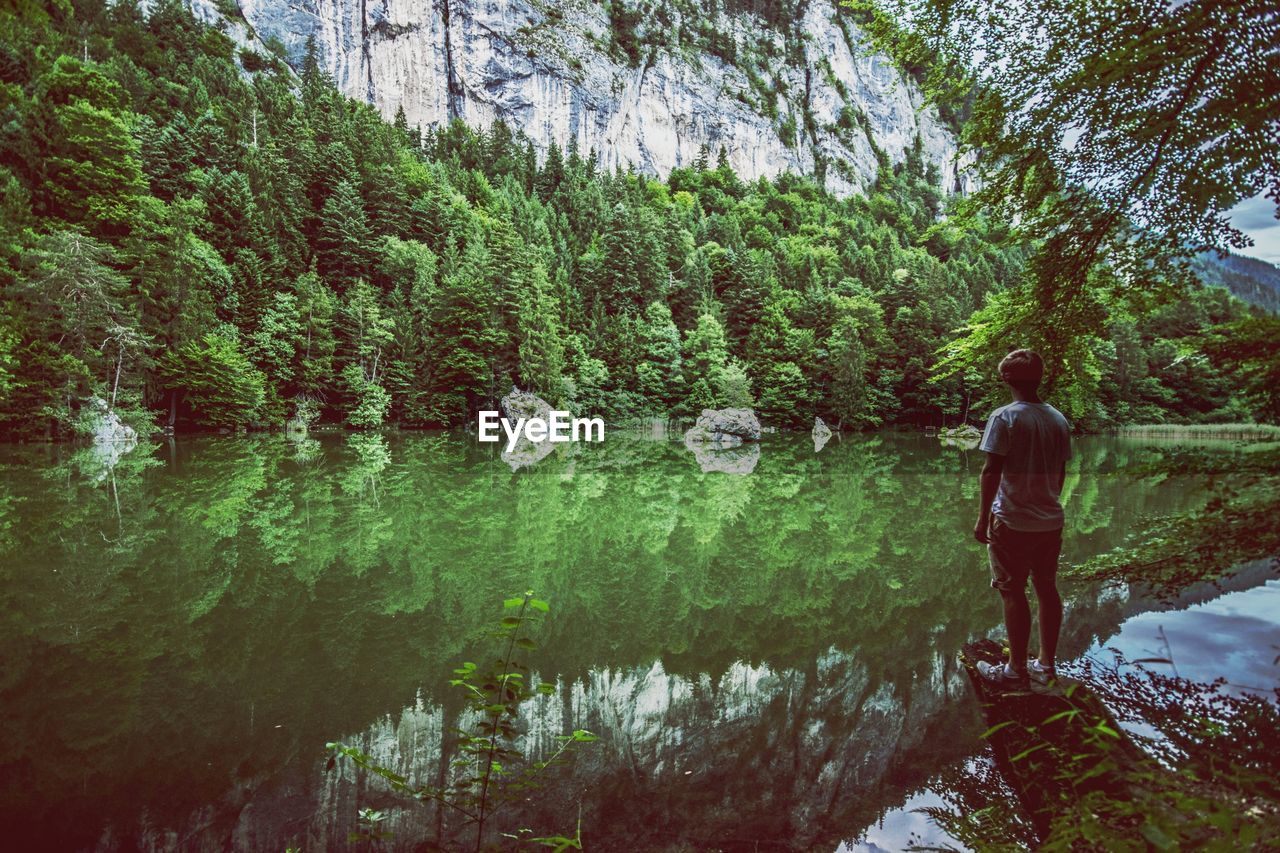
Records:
x=527, y=453
x=724, y=427
x=723, y=458
x=821, y=434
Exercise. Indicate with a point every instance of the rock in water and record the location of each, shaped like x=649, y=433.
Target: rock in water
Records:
x=524, y=404
x=112, y=438
x=724, y=427
x=724, y=458
x=821, y=434
x=967, y=436
x=108, y=428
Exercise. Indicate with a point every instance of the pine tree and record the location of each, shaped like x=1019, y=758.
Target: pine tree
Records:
x=733, y=390
x=776, y=350
x=700, y=162
x=706, y=356
x=541, y=339
x=552, y=174
x=408, y=273
x=314, y=365
x=81, y=301
x=509, y=272
x=316, y=83
x=344, y=244
x=459, y=353
x=90, y=163
x=273, y=348
x=658, y=375
x=367, y=332
x=215, y=378
x=850, y=398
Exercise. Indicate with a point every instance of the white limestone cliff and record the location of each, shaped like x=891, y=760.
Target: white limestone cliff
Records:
x=548, y=69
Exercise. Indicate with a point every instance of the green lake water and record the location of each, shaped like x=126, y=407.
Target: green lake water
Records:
x=768, y=657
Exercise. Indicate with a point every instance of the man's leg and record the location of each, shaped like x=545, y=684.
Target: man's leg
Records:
x=1017, y=621
x=1050, y=618
x=1044, y=577
x=1009, y=569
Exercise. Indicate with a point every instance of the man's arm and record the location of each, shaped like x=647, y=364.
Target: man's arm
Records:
x=990, y=480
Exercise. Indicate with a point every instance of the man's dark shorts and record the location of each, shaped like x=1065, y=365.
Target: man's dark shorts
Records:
x=1019, y=554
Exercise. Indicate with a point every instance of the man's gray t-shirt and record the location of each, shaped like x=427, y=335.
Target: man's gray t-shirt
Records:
x=1035, y=440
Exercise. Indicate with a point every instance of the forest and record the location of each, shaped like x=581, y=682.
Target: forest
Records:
x=208, y=241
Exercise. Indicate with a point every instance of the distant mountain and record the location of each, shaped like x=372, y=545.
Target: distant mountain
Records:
x=1256, y=282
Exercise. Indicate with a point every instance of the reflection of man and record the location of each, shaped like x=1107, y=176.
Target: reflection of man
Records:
x=1020, y=519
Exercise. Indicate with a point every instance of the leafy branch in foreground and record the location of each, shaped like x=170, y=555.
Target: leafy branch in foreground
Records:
x=486, y=773
x=1112, y=132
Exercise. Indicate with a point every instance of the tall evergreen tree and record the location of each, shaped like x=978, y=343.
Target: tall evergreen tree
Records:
x=344, y=244
x=658, y=374
x=463, y=340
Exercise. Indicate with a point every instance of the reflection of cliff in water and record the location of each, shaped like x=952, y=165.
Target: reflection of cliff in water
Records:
x=794, y=756
x=799, y=758
x=181, y=642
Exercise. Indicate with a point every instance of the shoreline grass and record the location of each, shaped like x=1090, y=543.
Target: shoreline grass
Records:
x=1266, y=432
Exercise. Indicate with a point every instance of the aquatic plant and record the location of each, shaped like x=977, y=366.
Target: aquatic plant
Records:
x=491, y=771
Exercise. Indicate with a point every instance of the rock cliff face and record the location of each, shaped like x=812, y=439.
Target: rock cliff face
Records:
x=804, y=94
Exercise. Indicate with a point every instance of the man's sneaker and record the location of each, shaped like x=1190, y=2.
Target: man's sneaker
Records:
x=1001, y=674
x=1040, y=672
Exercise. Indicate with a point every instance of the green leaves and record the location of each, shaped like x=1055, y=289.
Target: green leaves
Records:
x=1069, y=715
x=1109, y=133
x=997, y=727
x=1028, y=751
x=217, y=380
x=489, y=773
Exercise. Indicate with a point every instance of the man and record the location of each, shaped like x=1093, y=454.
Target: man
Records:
x=1020, y=518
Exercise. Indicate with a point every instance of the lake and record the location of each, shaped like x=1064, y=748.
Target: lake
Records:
x=768, y=656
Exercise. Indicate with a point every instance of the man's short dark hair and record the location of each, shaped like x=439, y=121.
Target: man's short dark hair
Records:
x=1023, y=369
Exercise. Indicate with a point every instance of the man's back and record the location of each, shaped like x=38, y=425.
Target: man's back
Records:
x=1034, y=439
x=1020, y=517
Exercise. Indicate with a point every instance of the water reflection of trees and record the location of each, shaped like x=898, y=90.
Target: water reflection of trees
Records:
x=248, y=587
x=1215, y=786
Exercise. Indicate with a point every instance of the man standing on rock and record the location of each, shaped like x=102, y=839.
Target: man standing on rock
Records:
x=1020, y=518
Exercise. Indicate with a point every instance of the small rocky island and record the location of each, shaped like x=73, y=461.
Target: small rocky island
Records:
x=725, y=440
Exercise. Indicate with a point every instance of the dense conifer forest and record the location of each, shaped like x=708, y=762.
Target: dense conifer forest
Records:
x=205, y=239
